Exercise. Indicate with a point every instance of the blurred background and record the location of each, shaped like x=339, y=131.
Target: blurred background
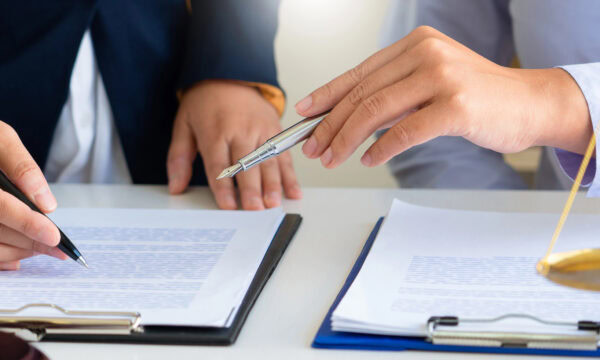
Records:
x=318, y=40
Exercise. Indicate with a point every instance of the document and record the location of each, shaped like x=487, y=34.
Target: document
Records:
x=175, y=267
x=471, y=264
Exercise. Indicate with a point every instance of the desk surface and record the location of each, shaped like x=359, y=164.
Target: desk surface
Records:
x=291, y=307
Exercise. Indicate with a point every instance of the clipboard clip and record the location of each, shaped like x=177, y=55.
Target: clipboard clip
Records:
x=34, y=328
x=588, y=338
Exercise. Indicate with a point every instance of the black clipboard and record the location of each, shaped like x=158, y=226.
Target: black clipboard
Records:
x=193, y=335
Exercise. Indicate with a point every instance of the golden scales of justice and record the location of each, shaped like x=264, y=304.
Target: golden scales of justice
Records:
x=579, y=268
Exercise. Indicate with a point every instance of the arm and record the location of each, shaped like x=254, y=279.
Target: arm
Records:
x=231, y=103
x=587, y=77
x=231, y=39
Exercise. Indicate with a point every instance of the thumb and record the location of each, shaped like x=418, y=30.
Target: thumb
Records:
x=22, y=170
x=182, y=153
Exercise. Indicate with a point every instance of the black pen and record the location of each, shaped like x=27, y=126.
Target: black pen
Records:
x=65, y=245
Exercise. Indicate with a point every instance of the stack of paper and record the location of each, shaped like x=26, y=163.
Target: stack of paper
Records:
x=437, y=262
x=175, y=267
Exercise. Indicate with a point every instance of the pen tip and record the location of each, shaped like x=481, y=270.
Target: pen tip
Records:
x=82, y=262
x=230, y=171
x=222, y=174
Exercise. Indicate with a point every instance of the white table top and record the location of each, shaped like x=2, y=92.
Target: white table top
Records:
x=292, y=305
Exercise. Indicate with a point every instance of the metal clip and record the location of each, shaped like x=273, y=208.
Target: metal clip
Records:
x=587, y=340
x=34, y=328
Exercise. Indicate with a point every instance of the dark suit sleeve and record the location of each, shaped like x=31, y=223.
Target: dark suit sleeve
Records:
x=231, y=39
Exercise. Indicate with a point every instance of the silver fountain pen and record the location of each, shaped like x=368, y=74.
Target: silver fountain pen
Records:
x=275, y=145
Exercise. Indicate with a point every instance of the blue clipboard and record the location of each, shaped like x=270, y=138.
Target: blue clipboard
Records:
x=328, y=339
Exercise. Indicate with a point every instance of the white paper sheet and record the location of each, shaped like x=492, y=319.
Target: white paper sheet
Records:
x=176, y=267
x=428, y=261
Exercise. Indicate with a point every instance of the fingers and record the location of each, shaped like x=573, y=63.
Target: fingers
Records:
x=249, y=181
x=180, y=159
x=15, y=239
x=385, y=76
x=10, y=253
x=10, y=265
x=217, y=158
x=22, y=170
x=271, y=183
x=417, y=128
x=18, y=216
x=288, y=175
x=15, y=247
x=325, y=97
x=376, y=110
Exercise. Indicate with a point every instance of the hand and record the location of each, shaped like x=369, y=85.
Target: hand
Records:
x=24, y=232
x=427, y=85
x=225, y=121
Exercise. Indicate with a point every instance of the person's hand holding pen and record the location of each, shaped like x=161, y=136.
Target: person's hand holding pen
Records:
x=428, y=85
x=24, y=232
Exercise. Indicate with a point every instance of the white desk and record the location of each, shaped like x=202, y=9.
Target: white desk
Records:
x=291, y=307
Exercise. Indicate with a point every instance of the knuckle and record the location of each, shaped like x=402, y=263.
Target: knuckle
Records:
x=341, y=142
x=213, y=166
x=373, y=105
x=425, y=31
x=27, y=227
x=38, y=247
x=286, y=163
x=442, y=71
x=324, y=131
x=326, y=91
x=376, y=152
x=459, y=102
x=270, y=165
x=222, y=188
x=4, y=206
x=24, y=168
x=272, y=185
x=400, y=133
x=358, y=93
x=4, y=230
x=433, y=47
x=357, y=73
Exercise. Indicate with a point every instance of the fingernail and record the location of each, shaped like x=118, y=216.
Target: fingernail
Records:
x=48, y=237
x=11, y=265
x=310, y=146
x=45, y=200
x=327, y=157
x=255, y=203
x=229, y=202
x=273, y=198
x=173, y=186
x=304, y=104
x=366, y=160
x=174, y=181
x=55, y=252
x=296, y=192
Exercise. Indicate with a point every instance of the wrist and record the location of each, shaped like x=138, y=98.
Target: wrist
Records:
x=566, y=122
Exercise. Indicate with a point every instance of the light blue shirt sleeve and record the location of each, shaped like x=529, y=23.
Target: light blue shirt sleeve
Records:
x=587, y=77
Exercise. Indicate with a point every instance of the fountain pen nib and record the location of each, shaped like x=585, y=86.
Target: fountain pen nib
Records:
x=82, y=262
x=230, y=171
